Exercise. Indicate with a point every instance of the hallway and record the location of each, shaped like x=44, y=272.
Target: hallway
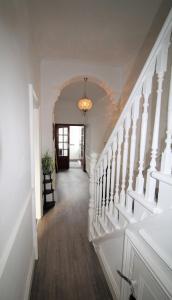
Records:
x=68, y=268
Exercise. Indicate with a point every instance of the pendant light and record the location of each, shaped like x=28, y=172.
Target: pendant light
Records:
x=85, y=103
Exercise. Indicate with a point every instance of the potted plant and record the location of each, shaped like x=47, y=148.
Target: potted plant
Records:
x=47, y=163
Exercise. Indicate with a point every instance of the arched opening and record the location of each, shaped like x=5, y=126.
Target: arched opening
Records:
x=98, y=122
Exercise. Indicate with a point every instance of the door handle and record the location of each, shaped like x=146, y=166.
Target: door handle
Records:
x=131, y=284
x=124, y=277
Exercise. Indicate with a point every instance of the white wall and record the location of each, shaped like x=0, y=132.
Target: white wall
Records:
x=16, y=242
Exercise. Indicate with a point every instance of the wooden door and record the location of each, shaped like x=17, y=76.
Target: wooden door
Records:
x=62, y=146
x=83, y=163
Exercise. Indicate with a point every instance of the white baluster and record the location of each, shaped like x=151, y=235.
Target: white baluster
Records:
x=147, y=87
x=108, y=178
x=98, y=194
x=95, y=195
x=104, y=185
x=125, y=158
x=114, y=148
x=135, y=115
x=120, y=140
x=160, y=69
x=92, y=195
x=166, y=163
x=101, y=189
x=165, y=191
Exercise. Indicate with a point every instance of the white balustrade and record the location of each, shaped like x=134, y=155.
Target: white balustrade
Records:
x=104, y=186
x=108, y=178
x=101, y=189
x=93, y=161
x=125, y=158
x=166, y=163
x=147, y=86
x=161, y=66
x=117, y=164
x=97, y=195
x=135, y=115
x=113, y=175
x=165, y=175
x=120, y=140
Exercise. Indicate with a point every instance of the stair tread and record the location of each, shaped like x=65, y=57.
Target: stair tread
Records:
x=141, y=199
x=112, y=220
x=96, y=229
x=127, y=215
x=103, y=225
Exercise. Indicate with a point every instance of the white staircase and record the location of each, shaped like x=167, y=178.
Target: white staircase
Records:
x=132, y=179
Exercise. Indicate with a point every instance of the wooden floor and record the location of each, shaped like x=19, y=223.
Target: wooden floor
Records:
x=68, y=268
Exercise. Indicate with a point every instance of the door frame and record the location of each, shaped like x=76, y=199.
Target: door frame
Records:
x=75, y=124
x=35, y=155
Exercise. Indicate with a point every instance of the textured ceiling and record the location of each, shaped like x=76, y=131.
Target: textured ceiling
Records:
x=103, y=31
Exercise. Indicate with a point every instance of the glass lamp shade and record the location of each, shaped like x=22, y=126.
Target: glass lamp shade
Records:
x=85, y=104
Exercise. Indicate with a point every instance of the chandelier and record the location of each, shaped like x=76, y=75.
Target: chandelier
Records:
x=85, y=103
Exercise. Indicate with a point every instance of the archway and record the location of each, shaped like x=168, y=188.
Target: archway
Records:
x=104, y=106
x=102, y=84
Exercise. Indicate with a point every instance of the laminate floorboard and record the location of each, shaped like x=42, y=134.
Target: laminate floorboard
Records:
x=68, y=268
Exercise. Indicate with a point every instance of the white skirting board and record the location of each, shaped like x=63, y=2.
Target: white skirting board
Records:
x=20, y=239
x=108, y=274
x=12, y=238
x=29, y=277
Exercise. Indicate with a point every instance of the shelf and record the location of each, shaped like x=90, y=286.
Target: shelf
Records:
x=49, y=191
x=48, y=205
x=47, y=181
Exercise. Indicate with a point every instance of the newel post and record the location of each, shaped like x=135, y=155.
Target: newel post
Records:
x=92, y=189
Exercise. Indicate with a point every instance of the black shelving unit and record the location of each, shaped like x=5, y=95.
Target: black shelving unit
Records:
x=48, y=189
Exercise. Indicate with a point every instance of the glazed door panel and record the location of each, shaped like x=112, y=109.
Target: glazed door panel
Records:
x=62, y=146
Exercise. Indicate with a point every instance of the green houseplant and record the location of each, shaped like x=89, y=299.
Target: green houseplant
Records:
x=47, y=163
